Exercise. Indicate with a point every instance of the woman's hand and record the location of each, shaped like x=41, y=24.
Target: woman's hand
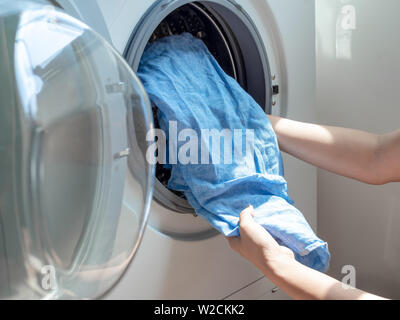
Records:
x=279, y=265
x=257, y=245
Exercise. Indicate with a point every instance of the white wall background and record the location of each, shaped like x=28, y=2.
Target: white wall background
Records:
x=358, y=79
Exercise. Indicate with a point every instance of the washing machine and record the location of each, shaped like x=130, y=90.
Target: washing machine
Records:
x=268, y=46
x=82, y=213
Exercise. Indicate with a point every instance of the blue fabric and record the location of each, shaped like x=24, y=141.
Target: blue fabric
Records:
x=188, y=86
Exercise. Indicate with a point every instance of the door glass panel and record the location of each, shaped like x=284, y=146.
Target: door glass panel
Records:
x=75, y=181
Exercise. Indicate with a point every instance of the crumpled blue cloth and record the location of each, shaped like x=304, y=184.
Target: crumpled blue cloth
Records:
x=188, y=86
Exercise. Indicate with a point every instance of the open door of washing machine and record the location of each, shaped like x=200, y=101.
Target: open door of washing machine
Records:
x=73, y=125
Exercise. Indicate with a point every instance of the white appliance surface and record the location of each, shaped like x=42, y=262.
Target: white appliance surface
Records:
x=165, y=268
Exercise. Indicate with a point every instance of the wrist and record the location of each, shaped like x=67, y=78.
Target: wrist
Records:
x=277, y=268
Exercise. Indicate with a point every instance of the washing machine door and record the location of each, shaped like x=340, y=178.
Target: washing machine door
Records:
x=75, y=186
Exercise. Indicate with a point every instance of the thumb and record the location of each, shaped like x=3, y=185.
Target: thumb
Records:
x=252, y=230
x=246, y=218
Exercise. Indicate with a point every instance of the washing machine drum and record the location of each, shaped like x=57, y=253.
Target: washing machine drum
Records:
x=73, y=124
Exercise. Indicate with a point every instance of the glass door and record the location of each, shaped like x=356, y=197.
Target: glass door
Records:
x=73, y=125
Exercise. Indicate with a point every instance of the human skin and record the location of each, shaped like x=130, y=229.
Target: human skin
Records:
x=363, y=156
x=366, y=157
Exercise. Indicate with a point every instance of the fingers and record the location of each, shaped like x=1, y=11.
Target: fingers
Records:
x=249, y=210
x=252, y=230
x=246, y=218
x=247, y=214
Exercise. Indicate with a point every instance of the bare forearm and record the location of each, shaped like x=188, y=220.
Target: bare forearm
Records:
x=303, y=283
x=279, y=265
x=350, y=153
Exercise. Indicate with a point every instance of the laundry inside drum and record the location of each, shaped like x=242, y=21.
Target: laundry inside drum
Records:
x=234, y=41
x=197, y=20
